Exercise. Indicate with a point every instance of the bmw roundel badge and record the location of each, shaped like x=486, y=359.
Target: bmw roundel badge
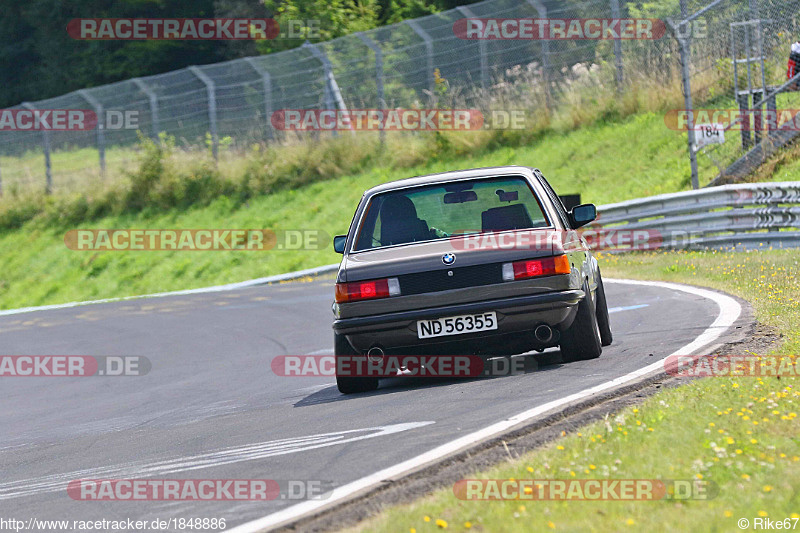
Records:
x=449, y=259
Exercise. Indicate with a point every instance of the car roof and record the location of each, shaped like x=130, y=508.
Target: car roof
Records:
x=448, y=176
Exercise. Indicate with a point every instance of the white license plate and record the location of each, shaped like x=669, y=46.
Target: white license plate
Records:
x=456, y=325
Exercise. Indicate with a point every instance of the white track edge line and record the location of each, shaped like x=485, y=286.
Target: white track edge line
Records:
x=326, y=269
x=729, y=312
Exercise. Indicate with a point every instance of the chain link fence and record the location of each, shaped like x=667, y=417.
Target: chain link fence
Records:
x=734, y=56
x=404, y=65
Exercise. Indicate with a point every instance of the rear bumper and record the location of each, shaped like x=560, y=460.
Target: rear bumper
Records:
x=394, y=331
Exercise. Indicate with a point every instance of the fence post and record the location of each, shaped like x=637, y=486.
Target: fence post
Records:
x=481, y=48
x=46, y=148
x=736, y=95
x=687, y=98
x=758, y=114
x=744, y=108
x=686, y=78
x=212, y=108
x=755, y=13
x=429, y=52
x=151, y=95
x=101, y=139
x=542, y=13
x=332, y=88
x=615, y=14
x=378, y=74
x=266, y=80
x=772, y=107
x=330, y=81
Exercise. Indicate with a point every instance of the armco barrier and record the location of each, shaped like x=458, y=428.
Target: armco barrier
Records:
x=745, y=216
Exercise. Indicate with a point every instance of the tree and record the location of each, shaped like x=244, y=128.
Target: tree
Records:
x=40, y=60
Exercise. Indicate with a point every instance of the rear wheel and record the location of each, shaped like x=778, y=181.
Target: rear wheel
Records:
x=349, y=384
x=602, y=313
x=582, y=339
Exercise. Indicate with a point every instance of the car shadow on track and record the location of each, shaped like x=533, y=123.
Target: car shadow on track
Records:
x=531, y=363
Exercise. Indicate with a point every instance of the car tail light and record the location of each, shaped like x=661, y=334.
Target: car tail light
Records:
x=367, y=290
x=534, y=268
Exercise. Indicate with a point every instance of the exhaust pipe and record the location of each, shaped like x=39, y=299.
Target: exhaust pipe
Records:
x=543, y=333
x=375, y=354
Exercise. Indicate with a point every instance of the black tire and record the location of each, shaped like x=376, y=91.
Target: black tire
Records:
x=606, y=338
x=349, y=384
x=582, y=339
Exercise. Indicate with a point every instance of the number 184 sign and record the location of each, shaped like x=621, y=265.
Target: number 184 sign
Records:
x=706, y=134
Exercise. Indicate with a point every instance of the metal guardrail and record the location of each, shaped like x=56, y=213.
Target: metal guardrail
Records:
x=740, y=217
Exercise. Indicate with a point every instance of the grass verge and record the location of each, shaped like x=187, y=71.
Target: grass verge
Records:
x=739, y=433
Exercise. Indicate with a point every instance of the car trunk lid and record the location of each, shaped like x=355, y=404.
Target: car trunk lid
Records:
x=457, y=262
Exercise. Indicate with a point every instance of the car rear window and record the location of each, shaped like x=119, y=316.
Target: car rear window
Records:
x=440, y=211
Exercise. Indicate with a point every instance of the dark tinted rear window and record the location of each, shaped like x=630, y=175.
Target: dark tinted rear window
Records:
x=440, y=211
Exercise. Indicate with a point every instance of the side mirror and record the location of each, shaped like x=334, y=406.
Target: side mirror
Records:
x=580, y=215
x=338, y=243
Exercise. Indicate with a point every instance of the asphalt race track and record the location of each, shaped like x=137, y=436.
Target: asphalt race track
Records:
x=211, y=407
